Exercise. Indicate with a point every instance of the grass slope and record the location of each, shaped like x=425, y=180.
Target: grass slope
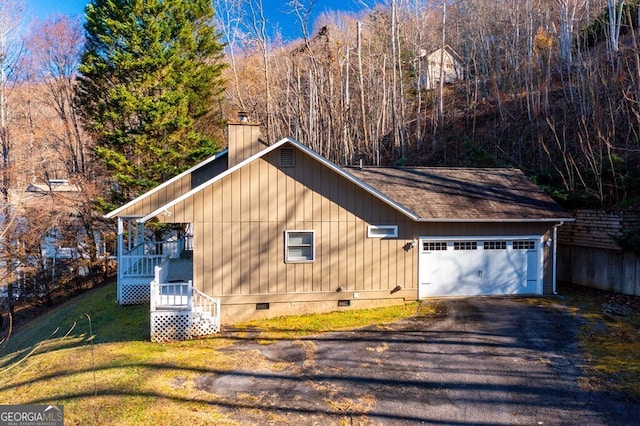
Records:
x=119, y=377
x=610, y=338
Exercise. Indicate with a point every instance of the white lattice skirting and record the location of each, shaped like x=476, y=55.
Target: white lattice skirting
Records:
x=168, y=326
x=135, y=294
x=204, y=328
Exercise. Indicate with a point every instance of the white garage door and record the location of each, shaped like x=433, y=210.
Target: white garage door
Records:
x=479, y=267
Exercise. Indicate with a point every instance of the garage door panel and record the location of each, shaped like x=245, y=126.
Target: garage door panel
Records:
x=507, y=271
x=532, y=272
x=481, y=268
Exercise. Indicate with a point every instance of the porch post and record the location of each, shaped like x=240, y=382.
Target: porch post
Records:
x=139, y=232
x=119, y=264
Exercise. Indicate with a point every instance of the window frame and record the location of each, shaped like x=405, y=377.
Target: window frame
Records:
x=465, y=245
x=523, y=245
x=392, y=234
x=287, y=246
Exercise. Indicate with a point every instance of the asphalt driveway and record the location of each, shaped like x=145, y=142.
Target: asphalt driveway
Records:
x=479, y=361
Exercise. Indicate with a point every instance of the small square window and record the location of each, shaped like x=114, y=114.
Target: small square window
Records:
x=524, y=245
x=495, y=245
x=262, y=306
x=434, y=246
x=382, y=231
x=299, y=246
x=344, y=302
x=465, y=245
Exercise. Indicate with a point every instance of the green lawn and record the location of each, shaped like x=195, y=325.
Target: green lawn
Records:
x=610, y=342
x=120, y=376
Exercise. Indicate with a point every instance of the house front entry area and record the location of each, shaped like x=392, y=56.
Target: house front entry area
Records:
x=474, y=267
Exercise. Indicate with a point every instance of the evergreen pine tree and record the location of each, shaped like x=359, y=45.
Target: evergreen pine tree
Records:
x=151, y=78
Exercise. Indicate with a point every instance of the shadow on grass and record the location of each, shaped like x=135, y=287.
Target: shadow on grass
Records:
x=396, y=377
x=67, y=325
x=271, y=392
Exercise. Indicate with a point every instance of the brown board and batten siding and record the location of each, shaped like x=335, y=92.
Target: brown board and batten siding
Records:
x=174, y=188
x=158, y=198
x=240, y=220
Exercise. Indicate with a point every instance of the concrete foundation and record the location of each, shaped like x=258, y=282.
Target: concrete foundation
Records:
x=234, y=314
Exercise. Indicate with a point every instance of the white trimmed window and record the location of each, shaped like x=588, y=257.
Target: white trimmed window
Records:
x=382, y=231
x=434, y=246
x=524, y=245
x=299, y=246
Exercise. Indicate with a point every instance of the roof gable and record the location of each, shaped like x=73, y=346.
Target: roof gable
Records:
x=450, y=55
x=192, y=171
x=335, y=168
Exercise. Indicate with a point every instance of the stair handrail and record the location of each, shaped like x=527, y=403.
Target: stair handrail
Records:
x=207, y=304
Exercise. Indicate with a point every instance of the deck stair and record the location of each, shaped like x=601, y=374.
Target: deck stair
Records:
x=179, y=311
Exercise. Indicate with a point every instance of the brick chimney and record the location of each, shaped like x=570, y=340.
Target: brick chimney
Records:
x=243, y=138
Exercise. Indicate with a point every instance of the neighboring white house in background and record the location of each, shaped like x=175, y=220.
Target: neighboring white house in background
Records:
x=447, y=60
x=51, y=192
x=54, y=246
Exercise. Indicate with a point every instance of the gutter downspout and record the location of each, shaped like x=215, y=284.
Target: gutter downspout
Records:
x=555, y=255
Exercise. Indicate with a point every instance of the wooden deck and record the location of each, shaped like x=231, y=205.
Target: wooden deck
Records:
x=180, y=270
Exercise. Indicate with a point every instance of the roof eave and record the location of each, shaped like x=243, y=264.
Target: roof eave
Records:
x=115, y=212
x=481, y=220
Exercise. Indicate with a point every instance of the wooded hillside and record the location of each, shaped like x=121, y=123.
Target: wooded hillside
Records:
x=551, y=87
x=548, y=86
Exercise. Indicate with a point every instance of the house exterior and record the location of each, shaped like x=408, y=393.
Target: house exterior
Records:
x=47, y=217
x=279, y=230
x=441, y=61
x=60, y=195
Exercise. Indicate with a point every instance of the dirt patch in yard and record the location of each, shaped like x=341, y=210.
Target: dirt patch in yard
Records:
x=609, y=336
x=468, y=361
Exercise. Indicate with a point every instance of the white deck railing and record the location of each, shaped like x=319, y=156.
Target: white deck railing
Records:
x=207, y=306
x=141, y=260
x=202, y=311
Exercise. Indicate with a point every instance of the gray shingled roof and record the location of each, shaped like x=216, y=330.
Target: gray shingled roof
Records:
x=463, y=194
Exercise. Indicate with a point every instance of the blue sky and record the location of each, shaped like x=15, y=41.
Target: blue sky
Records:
x=43, y=8
x=274, y=10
